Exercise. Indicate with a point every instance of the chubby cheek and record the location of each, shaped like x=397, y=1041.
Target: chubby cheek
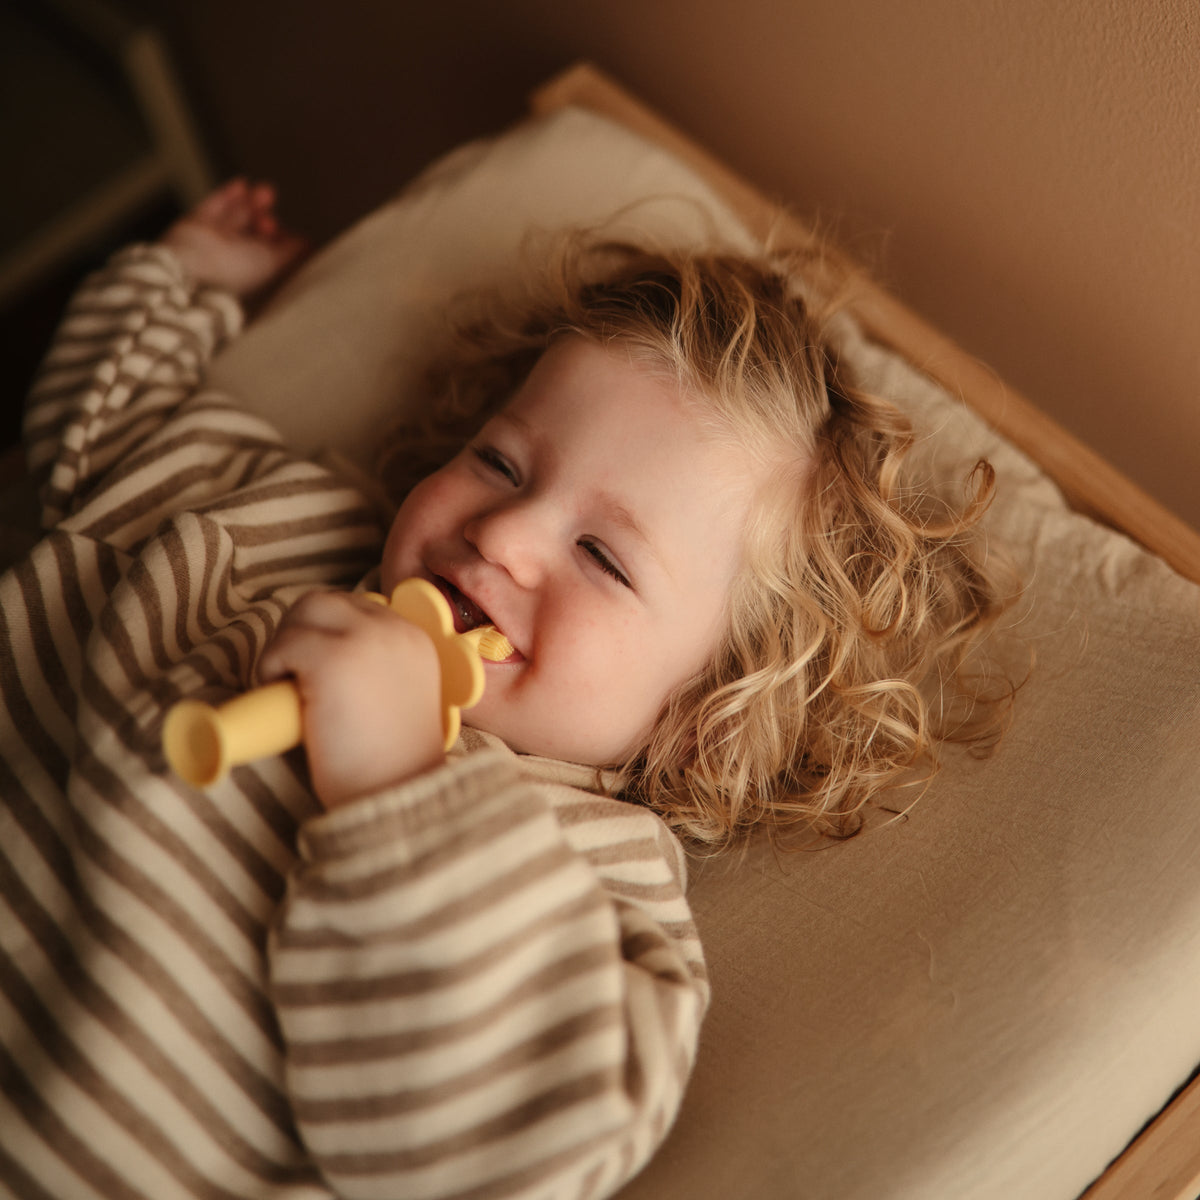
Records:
x=580, y=697
x=640, y=682
x=418, y=520
x=619, y=686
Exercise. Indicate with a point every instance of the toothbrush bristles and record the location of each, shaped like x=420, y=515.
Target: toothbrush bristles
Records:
x=493, y=645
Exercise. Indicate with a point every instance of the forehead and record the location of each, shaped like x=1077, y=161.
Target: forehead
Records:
x=579, y=381
x=580, y=389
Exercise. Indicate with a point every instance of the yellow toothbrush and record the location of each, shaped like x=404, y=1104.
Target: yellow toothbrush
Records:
x=203, y=742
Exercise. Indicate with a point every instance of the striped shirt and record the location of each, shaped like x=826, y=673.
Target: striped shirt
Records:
x=485, y=982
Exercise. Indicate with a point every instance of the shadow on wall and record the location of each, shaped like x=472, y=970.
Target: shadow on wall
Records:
x=342, y=104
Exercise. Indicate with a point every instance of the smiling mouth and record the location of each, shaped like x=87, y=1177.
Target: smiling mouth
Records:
x=467, y=615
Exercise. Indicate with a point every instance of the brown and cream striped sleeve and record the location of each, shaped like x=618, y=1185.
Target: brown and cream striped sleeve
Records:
x=129, y=351
x=487, y=986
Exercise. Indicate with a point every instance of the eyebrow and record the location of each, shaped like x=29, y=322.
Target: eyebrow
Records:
x=620, y=516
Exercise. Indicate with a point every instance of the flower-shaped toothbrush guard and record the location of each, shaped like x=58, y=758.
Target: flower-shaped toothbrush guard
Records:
x=202, y=742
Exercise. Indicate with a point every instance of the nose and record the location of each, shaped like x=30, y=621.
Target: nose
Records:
x=513, y=536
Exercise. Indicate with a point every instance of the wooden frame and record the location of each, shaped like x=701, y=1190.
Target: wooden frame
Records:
x=174, y=162
x=1163, y=1161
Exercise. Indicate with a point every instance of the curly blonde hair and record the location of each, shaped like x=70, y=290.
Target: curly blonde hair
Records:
x=863, y=599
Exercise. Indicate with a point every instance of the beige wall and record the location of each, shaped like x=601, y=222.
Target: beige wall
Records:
x=1024, y=172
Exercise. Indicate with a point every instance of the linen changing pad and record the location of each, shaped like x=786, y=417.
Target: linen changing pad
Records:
x=982, y=1000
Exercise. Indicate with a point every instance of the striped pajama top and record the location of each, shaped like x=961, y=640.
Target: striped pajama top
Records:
x=484, y=982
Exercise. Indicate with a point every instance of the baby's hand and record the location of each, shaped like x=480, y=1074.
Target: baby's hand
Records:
x=370, y=693
x=232, y=239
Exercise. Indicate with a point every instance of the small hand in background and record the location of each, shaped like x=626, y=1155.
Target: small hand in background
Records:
x=233, y=239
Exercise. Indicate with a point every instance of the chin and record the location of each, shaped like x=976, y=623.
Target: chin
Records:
x=515, y=740
x=586, y=756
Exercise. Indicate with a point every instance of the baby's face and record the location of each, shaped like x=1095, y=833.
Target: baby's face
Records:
x=599, y=526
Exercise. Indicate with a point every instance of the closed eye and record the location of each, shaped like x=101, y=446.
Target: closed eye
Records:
x=602, y=560
x=495, y=461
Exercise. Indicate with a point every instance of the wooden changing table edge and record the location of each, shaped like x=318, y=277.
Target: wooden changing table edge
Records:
x=1090, y=483
x=1163, y=1161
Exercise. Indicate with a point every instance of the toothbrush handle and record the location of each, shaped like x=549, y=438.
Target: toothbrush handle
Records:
x=202, y=742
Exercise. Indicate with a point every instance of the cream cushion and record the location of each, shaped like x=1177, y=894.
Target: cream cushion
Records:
x=985, y=999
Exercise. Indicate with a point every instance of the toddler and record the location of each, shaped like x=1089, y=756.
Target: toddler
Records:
x=369, y=968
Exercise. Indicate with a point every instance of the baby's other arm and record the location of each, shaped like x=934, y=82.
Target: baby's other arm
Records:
x=137, y=336
x=370, y=693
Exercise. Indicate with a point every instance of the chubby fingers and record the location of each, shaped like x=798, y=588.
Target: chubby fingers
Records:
x=228, y=208
x=319, y=621
x=240, y=207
